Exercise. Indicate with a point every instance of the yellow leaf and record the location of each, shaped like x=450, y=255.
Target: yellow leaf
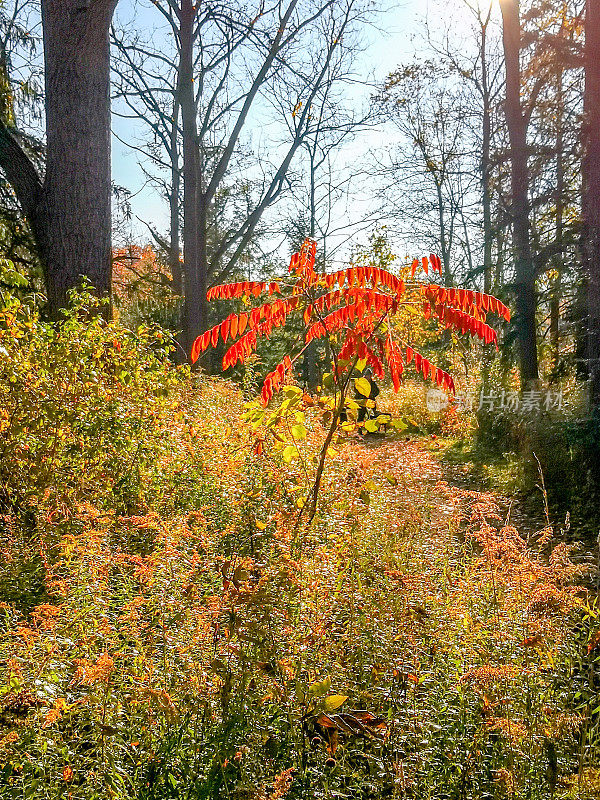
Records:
x=363, y=386
x=334, y=701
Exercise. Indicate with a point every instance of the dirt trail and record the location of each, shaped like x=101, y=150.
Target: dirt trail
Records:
x=528, y=521
x=421, y=470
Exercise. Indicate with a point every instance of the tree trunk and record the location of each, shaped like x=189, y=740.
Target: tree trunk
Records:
x=517, y=122
x=486, y=191
x=69, y=212
x=311, y=374
x=445, y=248
x=486, y=165
x=174, y=243
x=556, y=286
x=72, y=221
x=194, y=286
x=591, y=194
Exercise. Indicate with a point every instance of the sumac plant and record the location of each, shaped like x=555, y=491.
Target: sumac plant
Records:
x=353, y=310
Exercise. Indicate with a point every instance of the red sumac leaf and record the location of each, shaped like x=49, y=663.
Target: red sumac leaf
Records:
x=225, y=328
x=196, y=349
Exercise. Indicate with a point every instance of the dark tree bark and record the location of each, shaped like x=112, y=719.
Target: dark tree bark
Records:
x=174, y=240
x=591, y=194
x=556, y=287
x=194, y=274
x=74, y=212
x=486, y=160
x=517, y=121
x=197, y=198
x=69, y=211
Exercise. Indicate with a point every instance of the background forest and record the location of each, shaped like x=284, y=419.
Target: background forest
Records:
x=234, y=569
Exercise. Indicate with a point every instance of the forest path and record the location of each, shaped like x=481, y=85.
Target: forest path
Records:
x=425, y=483
x=424, y=477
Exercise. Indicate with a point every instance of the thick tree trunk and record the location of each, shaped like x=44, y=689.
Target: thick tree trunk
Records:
x=526, y=300
x=72, y=221
x=69, y=212
x=195, y=297
x=591, y=194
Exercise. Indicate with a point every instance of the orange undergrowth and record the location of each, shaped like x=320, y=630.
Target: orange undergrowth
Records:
x=404, y=588
x=188, y=638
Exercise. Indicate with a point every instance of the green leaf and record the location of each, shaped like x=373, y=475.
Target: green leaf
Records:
x=399, y=425
x=362, y=386
x=13, y=278
x=334, y=701
x=300, y=691
x=328, y=380
x=15, y=682
x=320, y=688
x=372, y=425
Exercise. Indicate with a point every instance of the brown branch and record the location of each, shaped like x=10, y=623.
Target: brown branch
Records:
x=20, y=170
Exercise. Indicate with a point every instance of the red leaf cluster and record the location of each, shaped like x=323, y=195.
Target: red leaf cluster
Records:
x=427, y=369
x=395, y=362
x=229, y=291
x=274, y=380
x=356, y=300
x=302, y=264
x=467, y=300
x=274, y=315
x=454, y=318
x=361, y=276
x=434, y=261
